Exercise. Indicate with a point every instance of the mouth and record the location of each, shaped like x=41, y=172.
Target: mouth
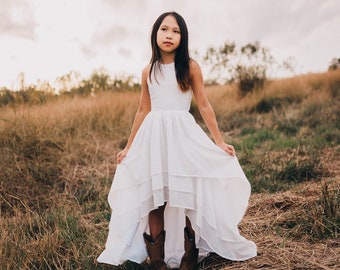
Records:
x=168, y=43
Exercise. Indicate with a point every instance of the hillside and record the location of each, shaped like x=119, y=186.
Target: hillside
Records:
x=58, y=160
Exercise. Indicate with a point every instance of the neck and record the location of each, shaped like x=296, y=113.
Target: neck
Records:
x=167, y=58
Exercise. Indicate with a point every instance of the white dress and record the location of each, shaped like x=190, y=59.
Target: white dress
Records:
x=173, y=160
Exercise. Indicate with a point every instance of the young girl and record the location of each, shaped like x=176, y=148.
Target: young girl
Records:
x=175, y=193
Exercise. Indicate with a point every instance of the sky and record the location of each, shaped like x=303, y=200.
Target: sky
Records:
x=46, y=39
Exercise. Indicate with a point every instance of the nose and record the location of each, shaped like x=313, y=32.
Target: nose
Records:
x=169, y=35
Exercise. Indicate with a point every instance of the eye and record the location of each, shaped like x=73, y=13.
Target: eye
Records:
x=163, y=28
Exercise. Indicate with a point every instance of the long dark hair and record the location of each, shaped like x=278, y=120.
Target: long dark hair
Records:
x=182, y=53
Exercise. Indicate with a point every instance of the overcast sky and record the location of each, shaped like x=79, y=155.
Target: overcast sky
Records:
x=49, y=38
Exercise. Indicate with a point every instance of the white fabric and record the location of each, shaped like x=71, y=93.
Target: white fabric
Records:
x=173, y=160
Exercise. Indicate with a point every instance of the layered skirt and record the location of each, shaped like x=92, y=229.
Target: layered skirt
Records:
x=173, y=160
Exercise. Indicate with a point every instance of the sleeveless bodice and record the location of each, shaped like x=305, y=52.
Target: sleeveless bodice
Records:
x=165, y=93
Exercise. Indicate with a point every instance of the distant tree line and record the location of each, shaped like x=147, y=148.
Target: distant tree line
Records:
x=70, y=84
x=248, y=66
x=99, y=81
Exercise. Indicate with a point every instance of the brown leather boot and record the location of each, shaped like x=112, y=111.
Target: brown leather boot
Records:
x=155, y=250
x=190, y=257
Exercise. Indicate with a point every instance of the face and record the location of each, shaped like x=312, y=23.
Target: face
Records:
x=168, y=35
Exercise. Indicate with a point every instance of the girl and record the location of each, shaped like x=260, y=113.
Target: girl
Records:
x=171, y=176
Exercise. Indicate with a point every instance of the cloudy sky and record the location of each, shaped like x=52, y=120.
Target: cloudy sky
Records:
x=49, y=38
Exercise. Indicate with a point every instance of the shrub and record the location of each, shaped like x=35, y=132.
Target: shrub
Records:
x=250, y=78
x=300, y=171
x=289, y=127
x=267, y=104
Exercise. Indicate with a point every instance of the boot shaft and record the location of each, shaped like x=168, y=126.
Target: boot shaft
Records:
x=155, y=249
x=190, y=257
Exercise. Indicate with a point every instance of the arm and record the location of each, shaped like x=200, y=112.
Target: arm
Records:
x=144, y=108
x=205, y=108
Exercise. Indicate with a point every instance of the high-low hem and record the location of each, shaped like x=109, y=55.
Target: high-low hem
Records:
x=215, y=230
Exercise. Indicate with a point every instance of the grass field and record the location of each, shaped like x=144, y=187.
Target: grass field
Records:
x=58, y=160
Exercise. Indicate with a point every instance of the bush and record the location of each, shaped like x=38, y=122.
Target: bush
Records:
x=250, y=79
x=267, y=104
x=300, y=171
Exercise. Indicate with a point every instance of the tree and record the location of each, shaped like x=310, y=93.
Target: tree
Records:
x=247, y=65
x=100, y=80
x=6, y=96
x=68, y=81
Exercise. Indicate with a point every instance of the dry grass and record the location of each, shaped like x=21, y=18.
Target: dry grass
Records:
x=265, y=223
x=226, y=99
x=57, y=162
x=276, y=250
x=64, y=142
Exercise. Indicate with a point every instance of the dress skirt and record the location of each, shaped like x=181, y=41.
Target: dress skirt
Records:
x=173, y=160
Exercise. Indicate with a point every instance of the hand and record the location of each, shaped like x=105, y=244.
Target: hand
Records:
x=121, y=155
x=227, y=148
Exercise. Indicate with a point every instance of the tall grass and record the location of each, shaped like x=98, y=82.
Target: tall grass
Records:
x=58, y=160
x=43, y=148
x=56, y=168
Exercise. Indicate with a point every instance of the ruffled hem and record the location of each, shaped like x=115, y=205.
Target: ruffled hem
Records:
x=119, y=249
x=172, y=160
x=214, y=221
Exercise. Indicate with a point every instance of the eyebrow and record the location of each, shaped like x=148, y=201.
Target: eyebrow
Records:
x=165, y=25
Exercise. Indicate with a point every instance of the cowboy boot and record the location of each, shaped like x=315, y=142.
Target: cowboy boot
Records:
x=155, y=251
x=190, y=257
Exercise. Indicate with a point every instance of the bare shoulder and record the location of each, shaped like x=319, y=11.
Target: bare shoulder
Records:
x=195, y=73
x=194, y=67
x=146, y=70
x=145, y=73
x=193, y=64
